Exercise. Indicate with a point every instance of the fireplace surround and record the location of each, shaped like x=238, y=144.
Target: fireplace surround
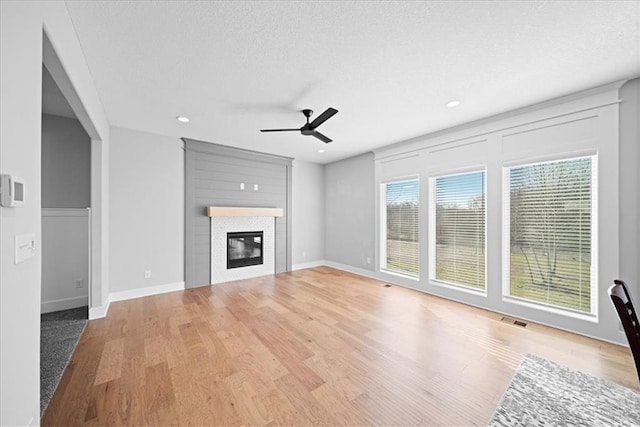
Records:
x=236, y=234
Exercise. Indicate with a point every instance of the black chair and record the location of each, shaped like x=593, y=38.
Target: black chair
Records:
x=624, y=306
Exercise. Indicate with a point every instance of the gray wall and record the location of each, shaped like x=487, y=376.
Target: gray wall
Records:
x=630, y=186
x=146, y=210
x=349, y=212
x=213, y=177
x=307, y=213
x=66, y=163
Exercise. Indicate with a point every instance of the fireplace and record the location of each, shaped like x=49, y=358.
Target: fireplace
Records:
x=244, y=249
x=230, y=222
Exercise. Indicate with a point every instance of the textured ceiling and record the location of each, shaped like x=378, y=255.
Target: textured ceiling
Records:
x=388, y=67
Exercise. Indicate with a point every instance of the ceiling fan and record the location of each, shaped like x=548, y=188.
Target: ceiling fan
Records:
x=310, y=128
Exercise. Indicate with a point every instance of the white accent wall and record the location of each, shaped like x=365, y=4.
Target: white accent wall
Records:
x=582, y=124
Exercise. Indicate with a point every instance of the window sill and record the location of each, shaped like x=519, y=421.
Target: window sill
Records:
x=404, y=276
x=589, y=317
x=461, y=288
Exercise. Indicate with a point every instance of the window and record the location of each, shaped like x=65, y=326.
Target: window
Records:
x=400, y=245
x=458, y=229
x=549, y=214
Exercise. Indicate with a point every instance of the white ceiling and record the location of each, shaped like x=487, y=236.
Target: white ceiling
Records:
x=388, y=67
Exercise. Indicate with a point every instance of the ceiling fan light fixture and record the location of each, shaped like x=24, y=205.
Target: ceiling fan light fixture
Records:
x=453, y=103
x=183, y=119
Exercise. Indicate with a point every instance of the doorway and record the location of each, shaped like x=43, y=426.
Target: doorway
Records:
x=66, y=235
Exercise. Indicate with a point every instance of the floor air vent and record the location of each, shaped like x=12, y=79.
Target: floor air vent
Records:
x=513, y=321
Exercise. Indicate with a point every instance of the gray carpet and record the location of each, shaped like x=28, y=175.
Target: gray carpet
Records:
x=543, y=393
x=59, y=334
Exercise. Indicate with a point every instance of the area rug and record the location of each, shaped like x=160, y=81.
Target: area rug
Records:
x=543, y=393
x=59, y=334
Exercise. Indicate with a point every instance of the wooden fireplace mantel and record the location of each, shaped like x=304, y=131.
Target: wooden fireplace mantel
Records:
x=239, y=211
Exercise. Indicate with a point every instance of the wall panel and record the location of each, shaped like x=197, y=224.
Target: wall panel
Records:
x=213, y=177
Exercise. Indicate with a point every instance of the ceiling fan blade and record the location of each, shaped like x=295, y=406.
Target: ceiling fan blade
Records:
x=278, y=130
x=321, y=137
x=328, y=113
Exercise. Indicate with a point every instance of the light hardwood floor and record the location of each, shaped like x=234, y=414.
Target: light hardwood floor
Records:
x=316, y=346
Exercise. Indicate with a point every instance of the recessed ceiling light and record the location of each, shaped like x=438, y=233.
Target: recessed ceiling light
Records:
x=182, y=119
x=453, y=104
x=321, y=151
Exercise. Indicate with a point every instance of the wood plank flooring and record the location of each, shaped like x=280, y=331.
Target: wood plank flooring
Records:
x=316, y=346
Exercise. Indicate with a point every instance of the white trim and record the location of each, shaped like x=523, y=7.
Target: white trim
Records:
x=463, y=170
x=403, y=178
x=354, y=270
x=65, y=212
x=63, y=304
x=395, y=273
x=592, y=315
x=550, y=158
x=382, y=209
x=99, y=312
x=145, y=292
x=595, y=241
x=431, y=226
x=458, y=287
x=550, y=308
x=383, y=224
x=310, y=264
x=591, y=99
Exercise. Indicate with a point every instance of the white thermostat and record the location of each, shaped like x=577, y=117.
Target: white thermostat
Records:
x=12, y=190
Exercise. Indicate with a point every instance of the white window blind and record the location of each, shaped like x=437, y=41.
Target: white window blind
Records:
x=459, y=244
x=401, y=244
x=550, y=210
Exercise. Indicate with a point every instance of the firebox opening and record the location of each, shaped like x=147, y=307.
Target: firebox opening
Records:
x=244, y=249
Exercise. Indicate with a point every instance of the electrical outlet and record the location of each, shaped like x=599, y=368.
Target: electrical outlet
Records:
x=147, y=274
x=255, y=187
x=80, y=283
x=304, y=254
x=368, y=260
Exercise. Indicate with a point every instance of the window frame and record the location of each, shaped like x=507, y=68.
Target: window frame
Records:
x=432, y=240
x=593, y=314
x=383, y=227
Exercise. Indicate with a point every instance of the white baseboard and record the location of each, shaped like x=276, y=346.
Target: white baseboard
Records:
x=311, y=264
x=98, y=312
x=355, y=270
x=63, y=304
x=145, y=292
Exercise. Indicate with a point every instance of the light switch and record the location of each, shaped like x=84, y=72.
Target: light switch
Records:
x=25, y=247
x=242, y=185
